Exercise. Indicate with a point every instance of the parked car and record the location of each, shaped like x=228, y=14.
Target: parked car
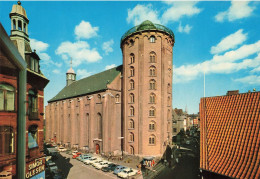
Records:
x=125, y=173
x=118, y=169
x=85, y=158
x=5, y=175
x=76, y=155
x=74, y=152
x=62, y=149
x=102, y=164
x=96, y=162
x=92, y=160
x=109, y=168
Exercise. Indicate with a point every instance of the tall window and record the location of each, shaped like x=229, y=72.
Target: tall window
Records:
x=132, y=71
x=169, y=101
x=169, y=88
x=33, y=104
x=132, y=111
x=152, y=71
x=152, y=98
x=152, y=112
x=132, y=84
x=99, y=126
x=33, y=136
x=131, y=137
x=19, y=25
x=169, y=72
x=152, y=126
x=132, y=151
x=131, y=124
x=6, y=97
x=132, y=58
x=99, y=98
x=7, y=144
x=132, y=98
x=24, y=27
x=152, y=140
x=117, y=98
x=152, y=84
x=152, y=39
x=14, y=24
x=152, y=57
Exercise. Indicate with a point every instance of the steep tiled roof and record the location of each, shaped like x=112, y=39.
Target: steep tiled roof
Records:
x=230, y=135
x=94, y=83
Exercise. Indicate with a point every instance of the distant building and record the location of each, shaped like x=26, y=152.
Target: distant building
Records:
x=230, y=138
x=178, y=121
x=11, y=104
x=193, y=120
x=126, y=107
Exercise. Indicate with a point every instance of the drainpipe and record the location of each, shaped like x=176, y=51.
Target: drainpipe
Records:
x=21, y=125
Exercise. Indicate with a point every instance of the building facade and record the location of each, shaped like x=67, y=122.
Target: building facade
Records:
x=230, y=140
x=130, y=111
x=9, y=95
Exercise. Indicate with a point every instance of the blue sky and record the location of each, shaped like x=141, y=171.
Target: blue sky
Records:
x=219, y=38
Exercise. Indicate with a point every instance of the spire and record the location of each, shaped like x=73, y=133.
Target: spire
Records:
x=70, y=75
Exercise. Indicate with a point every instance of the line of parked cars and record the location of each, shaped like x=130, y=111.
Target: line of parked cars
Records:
x=104, y=165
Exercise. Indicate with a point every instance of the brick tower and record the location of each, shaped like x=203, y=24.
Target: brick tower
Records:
x=147, y=88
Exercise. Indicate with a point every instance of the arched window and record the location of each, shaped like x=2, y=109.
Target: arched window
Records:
x=152, y=39
x=99, y=98
x=152, y=98
x=169, y=88
x=14, y=24
x=152, y=57
x=7, y=143
x=132, y=151
x=169, y=115
x=152, y=140
x=33, y=104
x=169, y=72
x=168, y=127
x=117, y=98
x=131, y=137
x=152, y=71
x=169, y=101
x=6, y=97
x=152, y=126
x=33, y=136
x=24, y=27
x=132, y=71
x=132, y=111
x=131, y=124
x=152, y=84
x=99, y=126
x=132, y=84
x=132, y=98
x=152, y=112
x=132, y=58
x=132, y=42
x=19, y=25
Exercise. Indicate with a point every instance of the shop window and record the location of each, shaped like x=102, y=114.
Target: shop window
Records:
x=7, y=98
x=33, y=136
x=7, y=144
x=33, y=105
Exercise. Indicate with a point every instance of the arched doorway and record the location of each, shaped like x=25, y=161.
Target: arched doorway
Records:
x=97, y=149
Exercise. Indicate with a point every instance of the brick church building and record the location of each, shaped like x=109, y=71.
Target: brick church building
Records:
x=126, y=108
x=21, y=120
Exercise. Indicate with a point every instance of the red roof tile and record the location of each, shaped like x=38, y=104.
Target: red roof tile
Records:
x=230, y=135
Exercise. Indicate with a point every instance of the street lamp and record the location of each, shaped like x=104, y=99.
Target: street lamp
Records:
x=121, y=144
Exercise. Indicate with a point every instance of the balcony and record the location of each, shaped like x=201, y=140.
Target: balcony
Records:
x=33, y=115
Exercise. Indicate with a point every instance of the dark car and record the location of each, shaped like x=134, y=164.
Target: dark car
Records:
x=109, y=168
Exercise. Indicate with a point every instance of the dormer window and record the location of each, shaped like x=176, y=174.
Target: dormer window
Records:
x=34, y=65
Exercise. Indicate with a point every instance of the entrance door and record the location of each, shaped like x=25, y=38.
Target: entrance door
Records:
x=97, y=149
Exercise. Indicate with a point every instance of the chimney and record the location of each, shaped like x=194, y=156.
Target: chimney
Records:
x=233, y=92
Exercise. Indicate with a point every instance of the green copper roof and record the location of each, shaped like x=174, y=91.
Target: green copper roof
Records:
x=94, y=83
x=147, y=25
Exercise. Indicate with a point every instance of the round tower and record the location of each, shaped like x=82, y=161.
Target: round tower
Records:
x=19, y=28
x=147, y=88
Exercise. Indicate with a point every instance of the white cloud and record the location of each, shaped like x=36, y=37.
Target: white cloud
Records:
x=141, y=13
x=110, y=66
x=107, y=46
x=85, y=30
x=186, y=29
x=252, y=80
x=179, y=10
x=237, y=10
x=82, y=73
x=230, y=62
x=79, y=51
x=255, y=70
x=229, y=42
x=56, y=71
x=38, y=45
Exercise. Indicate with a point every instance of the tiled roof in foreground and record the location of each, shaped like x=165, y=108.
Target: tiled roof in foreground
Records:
x=94, y=83
x=230, y=135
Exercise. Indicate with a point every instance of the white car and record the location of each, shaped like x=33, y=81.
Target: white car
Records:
x=102, y=164
x=127, y=173
x=75, y=152
x=62, y=149
x=96, y=162
x=85, y=157
x=91, y=160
